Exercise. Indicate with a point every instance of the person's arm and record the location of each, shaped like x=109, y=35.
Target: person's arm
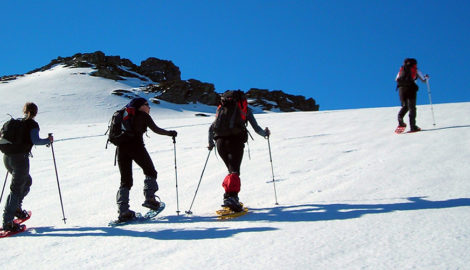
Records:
x=422, y=77
x=251, y=119
x=211, y=137
x=398, y=74
x=34, y=135
x=151, y=124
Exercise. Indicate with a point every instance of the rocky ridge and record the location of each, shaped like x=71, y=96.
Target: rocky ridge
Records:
x=163, y=78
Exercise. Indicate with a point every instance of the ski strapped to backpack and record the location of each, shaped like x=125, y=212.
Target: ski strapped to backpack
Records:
x=12, y=135
x=120, y=126
x=231, y=116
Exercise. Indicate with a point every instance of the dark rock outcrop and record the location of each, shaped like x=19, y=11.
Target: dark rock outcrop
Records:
x=159, y=70
x=269, y=100
x=184, y=92
x=7, y=78
x=117, y=68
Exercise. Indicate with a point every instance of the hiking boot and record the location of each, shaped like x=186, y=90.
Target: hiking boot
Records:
x=12, y=227
x=401, y=124
x=126, y=216
x=415, y=129
x=233, y=203
x=21, y=214
x=151, y=203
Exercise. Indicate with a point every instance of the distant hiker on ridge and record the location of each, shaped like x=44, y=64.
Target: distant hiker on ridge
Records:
x=407, y=89
x=130, y=147
x=16, y=160
x=229, y=131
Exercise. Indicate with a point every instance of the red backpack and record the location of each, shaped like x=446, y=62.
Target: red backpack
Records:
x=408, y=73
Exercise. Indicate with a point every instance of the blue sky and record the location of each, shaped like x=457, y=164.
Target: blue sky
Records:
x=343, y=53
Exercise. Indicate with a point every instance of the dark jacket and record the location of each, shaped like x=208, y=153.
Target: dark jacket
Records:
x=30, y=137
x=141, y=122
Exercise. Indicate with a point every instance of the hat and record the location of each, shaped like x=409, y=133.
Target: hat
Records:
x=137, y=102
x=410, y=62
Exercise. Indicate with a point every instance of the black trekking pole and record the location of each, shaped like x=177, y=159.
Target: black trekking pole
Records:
x=189, y=211
x=4, y=184
x=176, y=178
x=57, y=177
x=272, y=170
x=430, y=102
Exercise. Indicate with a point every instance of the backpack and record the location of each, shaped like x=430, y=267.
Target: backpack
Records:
x=230, y=119
x=407, y=74
x=120, y=127
x=12, y=136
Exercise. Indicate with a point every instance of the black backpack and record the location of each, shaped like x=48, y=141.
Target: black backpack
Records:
x=12, y=136
x=230, y=119
x=120, y=127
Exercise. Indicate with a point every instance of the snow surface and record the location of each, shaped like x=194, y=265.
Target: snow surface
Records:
x=352, y=194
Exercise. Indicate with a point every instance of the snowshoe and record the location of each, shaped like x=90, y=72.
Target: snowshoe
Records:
x=12, y=228
x=21, y=218
x=226, y=213
x=401, y=128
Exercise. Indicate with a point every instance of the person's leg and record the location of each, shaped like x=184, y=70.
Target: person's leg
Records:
x=404, y=107
x=18, y=167
x=231, y=151
x=125, y=168
x=234, y=149
x=412, y=107
x=143, y=159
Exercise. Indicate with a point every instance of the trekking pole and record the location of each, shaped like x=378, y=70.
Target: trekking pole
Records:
x=4, y=184
x=189, y=211
x=272, y=170
x=430, y=101
x=176, y=178
x=57, y=177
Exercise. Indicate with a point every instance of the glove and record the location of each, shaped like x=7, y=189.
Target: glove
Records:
x=211, y=146
x=173, y=133
x=267, y=131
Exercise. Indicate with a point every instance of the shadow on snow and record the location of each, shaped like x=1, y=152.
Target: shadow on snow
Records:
x=325, y=212
x=288, y=213
x=167, y=234
x=450, y=127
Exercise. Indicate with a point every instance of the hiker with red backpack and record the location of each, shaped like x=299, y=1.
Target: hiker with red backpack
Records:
x=229, y=130
x=135, y=119
x=407, y=89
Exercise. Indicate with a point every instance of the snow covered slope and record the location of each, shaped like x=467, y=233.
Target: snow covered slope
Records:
x=71, y=95
x=352, y=194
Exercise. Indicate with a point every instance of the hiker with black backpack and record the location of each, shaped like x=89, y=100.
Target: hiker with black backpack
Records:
x=18, y=138
x=229, y=130
x=407, y=89
x=126, y=132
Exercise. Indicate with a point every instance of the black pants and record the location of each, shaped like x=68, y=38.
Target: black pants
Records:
x=18, y=166
x=408, y=103
x=136, y=152
x=231, y=150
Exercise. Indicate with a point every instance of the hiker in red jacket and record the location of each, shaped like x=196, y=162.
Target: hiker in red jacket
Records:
x=407, y=89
